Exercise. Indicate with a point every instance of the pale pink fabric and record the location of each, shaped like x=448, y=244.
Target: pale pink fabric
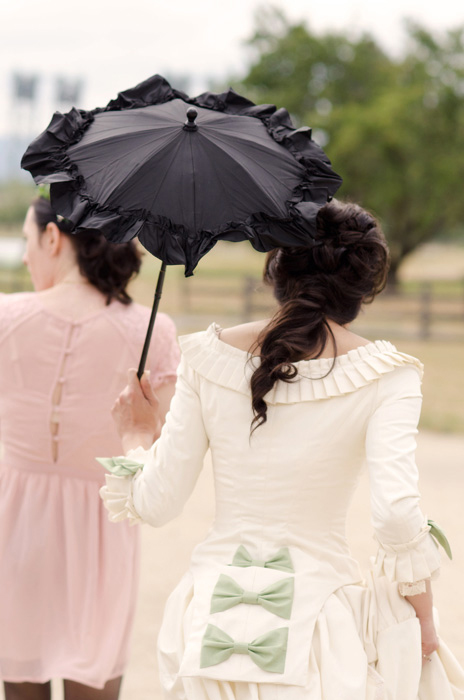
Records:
x=68, y=577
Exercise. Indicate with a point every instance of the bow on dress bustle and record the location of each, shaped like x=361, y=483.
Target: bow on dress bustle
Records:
x=281, y=560
x=267, y=651
x=276, y=598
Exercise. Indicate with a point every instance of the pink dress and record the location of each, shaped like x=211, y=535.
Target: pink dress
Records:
x=68, y=577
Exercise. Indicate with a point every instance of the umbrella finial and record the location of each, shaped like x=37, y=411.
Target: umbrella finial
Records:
x=190, y=123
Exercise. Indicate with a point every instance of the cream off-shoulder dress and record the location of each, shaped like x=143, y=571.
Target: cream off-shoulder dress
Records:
x=274, y=607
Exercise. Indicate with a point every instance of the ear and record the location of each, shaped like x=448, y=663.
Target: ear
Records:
x=52, y=238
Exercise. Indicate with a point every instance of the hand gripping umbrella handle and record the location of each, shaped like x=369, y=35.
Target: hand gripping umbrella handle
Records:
x=156, y=301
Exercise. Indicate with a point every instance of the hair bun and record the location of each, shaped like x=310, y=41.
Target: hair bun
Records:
x=345, y=267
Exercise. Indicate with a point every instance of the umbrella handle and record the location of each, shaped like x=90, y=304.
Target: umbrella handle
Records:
x=156, y=301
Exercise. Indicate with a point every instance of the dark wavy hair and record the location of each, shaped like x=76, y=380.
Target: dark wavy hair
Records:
x=107, y=266
x=345, y=268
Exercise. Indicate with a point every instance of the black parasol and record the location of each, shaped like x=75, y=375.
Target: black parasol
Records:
x=181, y=173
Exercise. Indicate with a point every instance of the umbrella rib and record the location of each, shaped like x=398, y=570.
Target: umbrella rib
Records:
x=243, y=167
x=166, y=172
x=109, y=135
x=127, y=175
x=218, y=180
x=193, y=186
x=223, y=147
x=117, y=155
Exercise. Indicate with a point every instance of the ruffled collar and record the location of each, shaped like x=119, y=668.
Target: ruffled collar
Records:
x=232, y=368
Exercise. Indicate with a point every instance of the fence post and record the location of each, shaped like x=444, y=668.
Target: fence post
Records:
x=425, y=310
x=248, y=288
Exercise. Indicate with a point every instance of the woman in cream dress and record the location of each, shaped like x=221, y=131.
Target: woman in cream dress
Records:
x=274, y=607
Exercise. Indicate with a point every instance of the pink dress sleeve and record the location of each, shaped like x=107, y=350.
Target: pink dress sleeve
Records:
x=14, y=308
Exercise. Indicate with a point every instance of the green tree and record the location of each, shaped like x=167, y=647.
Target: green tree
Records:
x=15, y=198
x=394, y=129
x=302, y=71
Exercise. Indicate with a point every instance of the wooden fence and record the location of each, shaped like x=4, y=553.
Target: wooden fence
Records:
x=427, y=309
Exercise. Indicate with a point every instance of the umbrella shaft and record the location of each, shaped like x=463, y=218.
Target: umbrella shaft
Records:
x=156, y=301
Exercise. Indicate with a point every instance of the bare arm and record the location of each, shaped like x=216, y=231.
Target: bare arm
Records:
x=423, y=604
x=138, y=412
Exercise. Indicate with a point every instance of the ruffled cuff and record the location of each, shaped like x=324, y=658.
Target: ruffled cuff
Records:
x=117, y=498
x=409, y=589
x=409, y=563
x=139, y=454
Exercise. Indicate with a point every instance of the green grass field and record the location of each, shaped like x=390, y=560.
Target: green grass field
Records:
x=443, y=406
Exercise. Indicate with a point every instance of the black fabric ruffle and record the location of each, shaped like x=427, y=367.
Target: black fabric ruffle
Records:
x=48, y=161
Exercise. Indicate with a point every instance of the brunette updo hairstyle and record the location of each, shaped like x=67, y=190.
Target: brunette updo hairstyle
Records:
x=345, y=267
x=107, y=266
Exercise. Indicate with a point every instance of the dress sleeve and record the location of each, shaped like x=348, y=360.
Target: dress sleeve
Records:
x=407, y=552
x=165, y=355
x=159, y=481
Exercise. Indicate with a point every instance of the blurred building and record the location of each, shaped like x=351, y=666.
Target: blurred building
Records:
x=32, y=100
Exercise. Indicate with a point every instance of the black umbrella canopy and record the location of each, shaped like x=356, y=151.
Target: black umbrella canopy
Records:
x=218, y=169
x=141, y=167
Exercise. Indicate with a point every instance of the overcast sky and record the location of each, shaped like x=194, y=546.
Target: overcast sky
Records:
x=113, y=44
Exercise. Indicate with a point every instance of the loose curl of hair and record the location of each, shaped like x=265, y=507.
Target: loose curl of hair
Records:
x=107, y=266
x=345, y=267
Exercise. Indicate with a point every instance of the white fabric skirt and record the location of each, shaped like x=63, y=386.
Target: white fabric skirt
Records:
x=366, y=646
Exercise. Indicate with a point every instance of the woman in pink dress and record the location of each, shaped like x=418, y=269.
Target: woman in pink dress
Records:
x=68, y=577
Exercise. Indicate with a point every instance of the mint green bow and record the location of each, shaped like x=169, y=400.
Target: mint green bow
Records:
x=281, y=560
x=276, y=598
x=120, y=466
x=439, y=535
x=268, y=651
